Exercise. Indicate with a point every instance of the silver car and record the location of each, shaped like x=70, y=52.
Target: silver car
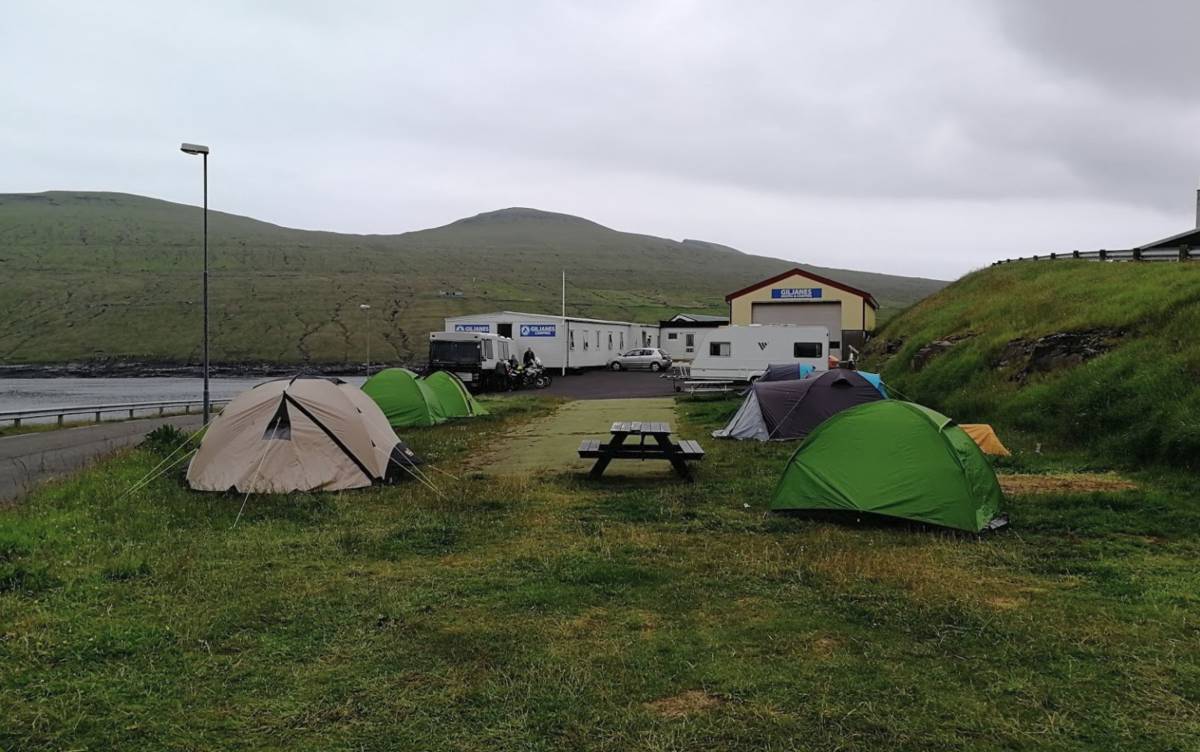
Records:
x=643, y=357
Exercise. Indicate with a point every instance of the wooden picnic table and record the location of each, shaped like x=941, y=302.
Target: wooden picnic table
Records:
x=660, y=448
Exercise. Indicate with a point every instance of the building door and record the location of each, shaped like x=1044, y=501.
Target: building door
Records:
x=504, y=330
x=828, y=315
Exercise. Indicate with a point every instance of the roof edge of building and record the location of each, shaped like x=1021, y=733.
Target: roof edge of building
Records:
x=811, y=275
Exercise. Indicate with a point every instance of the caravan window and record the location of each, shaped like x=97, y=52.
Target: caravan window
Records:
x=672, y=335
x=571, y=336
x=806, y=350
x=689, y=342
x=610, y=340
x=622, y=340
x=597, y=339
x=719, y=349
x=487, y=349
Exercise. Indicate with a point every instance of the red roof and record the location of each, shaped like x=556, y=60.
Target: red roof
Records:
x=804, y=273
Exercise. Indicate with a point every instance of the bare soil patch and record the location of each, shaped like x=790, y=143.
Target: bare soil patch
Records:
x=1064, y=483
x=685, y=704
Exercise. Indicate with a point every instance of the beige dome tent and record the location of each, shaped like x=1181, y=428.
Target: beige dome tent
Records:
x=301, y=434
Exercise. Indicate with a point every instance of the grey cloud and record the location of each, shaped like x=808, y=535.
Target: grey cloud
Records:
x=778, y=127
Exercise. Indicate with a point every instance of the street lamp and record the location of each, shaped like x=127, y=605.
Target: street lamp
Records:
x=367, y=309
x=203, y=151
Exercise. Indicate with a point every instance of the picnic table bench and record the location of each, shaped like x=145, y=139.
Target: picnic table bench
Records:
x=662, y=448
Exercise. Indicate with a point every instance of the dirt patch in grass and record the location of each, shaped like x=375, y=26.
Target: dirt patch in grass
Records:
x=1059, y=483
x=684, y=704
x=1004, y=602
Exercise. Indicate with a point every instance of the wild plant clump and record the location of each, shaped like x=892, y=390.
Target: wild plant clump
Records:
x=164, y=440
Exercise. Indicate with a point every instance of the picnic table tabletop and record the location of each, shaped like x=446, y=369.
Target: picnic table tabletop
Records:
x=640, y=427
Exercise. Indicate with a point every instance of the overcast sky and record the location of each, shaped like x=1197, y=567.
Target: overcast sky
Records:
x=917, y=138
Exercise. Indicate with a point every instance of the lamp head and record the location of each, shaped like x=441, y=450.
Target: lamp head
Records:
x=193, y=148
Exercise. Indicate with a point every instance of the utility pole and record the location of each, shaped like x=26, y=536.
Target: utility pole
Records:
x=203, y=152
x=367, y=309
x=566, y=324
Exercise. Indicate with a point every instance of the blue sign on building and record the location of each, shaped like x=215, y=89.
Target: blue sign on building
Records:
x=485, y=328
x=796, y=293
x=539, y=330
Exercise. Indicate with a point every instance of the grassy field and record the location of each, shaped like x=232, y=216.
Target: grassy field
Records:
x=549, y=612
x=1138, y=403
x=105, y=275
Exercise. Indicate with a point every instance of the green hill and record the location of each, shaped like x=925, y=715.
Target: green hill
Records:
x=109, y=275
x=1102, y=357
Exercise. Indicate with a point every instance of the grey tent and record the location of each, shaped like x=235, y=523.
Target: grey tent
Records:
x=782, y=410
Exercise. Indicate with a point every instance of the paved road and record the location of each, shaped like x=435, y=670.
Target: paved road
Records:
x=607, y=385
x=28, y=459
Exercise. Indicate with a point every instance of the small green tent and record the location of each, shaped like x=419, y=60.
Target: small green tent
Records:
x=453, y=395
x=892, y=458
x=404, y=398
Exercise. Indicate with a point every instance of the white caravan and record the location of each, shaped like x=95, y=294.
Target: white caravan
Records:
x=742, y=353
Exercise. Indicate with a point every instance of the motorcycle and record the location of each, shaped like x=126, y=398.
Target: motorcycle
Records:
x=533, y=376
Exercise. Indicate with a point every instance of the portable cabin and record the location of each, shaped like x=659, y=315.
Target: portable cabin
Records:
x=560, y=342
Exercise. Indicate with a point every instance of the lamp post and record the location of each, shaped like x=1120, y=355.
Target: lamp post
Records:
x=194, y=149
x=367, y=309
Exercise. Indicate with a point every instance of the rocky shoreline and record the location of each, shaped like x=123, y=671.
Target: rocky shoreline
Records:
x=146, y=369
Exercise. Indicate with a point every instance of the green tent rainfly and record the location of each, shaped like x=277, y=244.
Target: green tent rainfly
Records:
x=455, y=399
x=892, y=458
x=405, y=398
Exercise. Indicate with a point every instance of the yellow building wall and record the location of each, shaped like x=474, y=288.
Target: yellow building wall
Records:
x=853, y=306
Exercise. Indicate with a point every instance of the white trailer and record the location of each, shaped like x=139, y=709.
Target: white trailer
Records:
x=560, y=342
x=742, y=353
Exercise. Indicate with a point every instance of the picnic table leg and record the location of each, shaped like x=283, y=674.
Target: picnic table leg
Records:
x=606, y=456
x=673, y=453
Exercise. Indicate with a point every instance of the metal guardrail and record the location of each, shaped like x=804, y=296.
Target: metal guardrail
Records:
x=1182, y=253
x=16, y=416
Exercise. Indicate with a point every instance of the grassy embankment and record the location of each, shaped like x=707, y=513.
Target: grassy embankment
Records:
x=1138, y=403
x=552, y=612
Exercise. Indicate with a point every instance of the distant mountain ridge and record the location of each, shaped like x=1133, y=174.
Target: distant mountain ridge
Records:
x=109, y=275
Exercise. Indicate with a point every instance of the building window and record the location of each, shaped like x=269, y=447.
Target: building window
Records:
x=719, y=349
x=835, y=345
x=806, y=350
x=672, y=335
x=689, y=343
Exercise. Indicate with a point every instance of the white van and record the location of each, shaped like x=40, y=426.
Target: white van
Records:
x=742, y=353
x=475, y=357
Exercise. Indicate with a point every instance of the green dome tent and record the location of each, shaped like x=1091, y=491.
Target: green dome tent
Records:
x=404, y=398
x=893, y=458
x=455, y=399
